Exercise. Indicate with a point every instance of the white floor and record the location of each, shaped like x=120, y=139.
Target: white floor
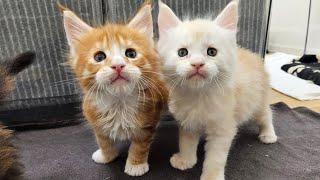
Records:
x=287, y=83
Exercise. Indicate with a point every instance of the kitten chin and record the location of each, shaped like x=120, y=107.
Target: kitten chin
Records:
x=235, y=89
x=196, y=83
x=124, y=94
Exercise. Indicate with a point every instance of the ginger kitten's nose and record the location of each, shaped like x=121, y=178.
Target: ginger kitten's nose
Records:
x=118, y=67
x=197, y=65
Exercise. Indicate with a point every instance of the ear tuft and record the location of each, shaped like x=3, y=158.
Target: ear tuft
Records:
x=62, y=8
x=166, y=19
x=142, y=21
x=228, y=18
x=74, y=27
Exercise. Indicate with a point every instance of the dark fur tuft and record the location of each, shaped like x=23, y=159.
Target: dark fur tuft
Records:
x=19, y=63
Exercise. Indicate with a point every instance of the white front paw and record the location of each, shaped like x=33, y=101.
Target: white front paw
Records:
x=98, y=157
x=268, y=137
x=178, y=162
x=136, y=170
x=101, y=158
x=212, y=176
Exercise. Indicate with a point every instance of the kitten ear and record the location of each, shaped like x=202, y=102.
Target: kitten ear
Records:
x=228, y=18
x=166, y=19
x=74, y=27
x=143, y=21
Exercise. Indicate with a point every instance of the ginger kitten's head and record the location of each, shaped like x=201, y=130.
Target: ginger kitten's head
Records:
x=114, y=58
x=198, y=53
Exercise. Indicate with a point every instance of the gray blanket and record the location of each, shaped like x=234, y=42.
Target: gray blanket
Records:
x=65, y=153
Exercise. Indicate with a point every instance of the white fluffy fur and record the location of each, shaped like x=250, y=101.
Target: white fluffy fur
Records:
x=119, y=119
x=235, y=88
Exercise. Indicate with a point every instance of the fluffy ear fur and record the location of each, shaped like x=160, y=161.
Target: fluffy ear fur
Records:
x=74, y=27
x=228, y=18
x=143, y=21
x=166, y=19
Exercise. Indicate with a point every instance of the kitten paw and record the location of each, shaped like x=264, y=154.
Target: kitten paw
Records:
x=211, y=177
x=268, y=138
x=180, y=163
x=100, y=158
x=136, y=170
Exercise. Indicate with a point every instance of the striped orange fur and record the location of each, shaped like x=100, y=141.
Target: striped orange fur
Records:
x=124, y=94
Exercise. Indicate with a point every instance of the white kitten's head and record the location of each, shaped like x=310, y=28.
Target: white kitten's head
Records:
x=198, y=53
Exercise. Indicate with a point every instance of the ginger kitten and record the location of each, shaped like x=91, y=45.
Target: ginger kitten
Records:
x=215, y=86
x=119, y=72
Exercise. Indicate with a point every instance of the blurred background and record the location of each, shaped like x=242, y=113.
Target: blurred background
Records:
x=289, y=24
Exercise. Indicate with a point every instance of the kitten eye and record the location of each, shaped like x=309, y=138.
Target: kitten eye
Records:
x=100, y=56
x=212, y=51
x=183, y=52
x=131, y=53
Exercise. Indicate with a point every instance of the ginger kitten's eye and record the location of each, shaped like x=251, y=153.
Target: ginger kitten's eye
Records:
x=131, y=53
x=212, y=51
x=183, y=52
x=100, y=56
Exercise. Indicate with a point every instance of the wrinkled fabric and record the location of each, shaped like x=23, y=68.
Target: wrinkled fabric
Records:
x=65, y=153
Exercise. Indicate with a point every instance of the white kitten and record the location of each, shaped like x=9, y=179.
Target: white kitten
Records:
x=215, y=86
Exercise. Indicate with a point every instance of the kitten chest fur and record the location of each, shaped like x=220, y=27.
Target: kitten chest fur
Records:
x=206, y=108
x=118, y=115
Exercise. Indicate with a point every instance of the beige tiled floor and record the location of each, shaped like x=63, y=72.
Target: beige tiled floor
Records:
x=277, y=97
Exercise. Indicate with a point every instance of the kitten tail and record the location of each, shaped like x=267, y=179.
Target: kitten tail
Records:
x=19, y=63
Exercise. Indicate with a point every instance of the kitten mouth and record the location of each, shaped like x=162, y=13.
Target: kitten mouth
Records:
x=119, y=78
x=197, y=74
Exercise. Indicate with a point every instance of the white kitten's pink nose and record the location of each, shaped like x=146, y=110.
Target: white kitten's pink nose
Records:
x=197, y=65
x=118, y=67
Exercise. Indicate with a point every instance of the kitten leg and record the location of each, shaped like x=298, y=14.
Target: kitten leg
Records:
x=137, y=162
x=217, y=150
x=188, y=144
x=264, y=120
x=107, y=152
